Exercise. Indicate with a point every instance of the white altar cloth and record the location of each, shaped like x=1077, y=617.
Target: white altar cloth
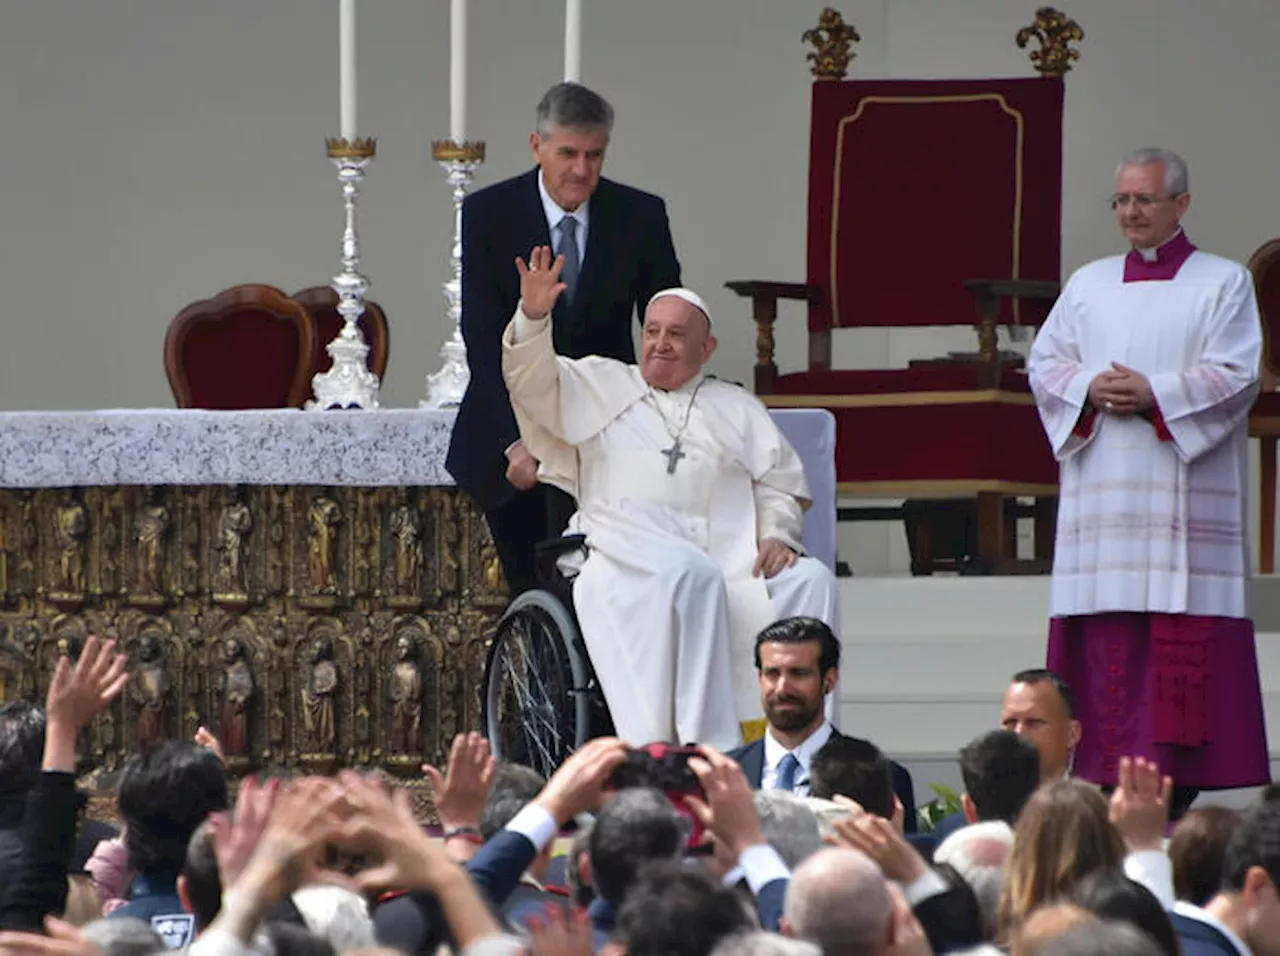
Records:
x=381, y=448
x=288, y=446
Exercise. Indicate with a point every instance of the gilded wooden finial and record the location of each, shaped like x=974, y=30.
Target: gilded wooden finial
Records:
x=1055, y=32
x=833, y=41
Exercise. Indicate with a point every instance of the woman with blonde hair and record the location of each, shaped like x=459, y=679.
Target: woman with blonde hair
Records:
x=1063, y=835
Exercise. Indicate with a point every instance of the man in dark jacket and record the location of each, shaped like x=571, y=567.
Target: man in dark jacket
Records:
x=617, y=247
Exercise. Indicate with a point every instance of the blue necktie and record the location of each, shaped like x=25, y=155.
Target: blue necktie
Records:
x=568, y=229
x=787, y=768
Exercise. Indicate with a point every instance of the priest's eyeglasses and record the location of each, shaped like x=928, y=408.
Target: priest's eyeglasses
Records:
x=1141, y=200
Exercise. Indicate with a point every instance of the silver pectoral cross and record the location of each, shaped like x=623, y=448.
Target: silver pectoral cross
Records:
x=674, y=454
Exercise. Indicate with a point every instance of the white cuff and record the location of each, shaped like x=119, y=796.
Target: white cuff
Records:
x=926, y=887
x=218, y=942
x=536, y=825
x=1154, y=870
x=527, y=328
x=498, y=945
x=762, y=865
x=733, y=877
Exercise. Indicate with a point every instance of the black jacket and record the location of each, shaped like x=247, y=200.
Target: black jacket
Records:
x=629, y=256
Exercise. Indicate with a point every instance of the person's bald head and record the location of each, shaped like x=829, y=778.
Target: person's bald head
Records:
x=676, y=340
x=840, y=900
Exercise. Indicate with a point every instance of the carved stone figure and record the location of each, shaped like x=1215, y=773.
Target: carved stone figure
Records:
x=70, y=523
x=150, y=692
x=150, y=528
x=234, y=523
x=324, y=517
x=406, y=531
x=235, y=687
x=405, y=692
x=318, y=699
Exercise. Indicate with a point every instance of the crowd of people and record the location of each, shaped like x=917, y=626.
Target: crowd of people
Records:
x=816, y=858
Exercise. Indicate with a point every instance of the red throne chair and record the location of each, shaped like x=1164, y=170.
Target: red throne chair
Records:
x=982, y=161
x=250, y=346
x=322, y=302
x=1264, y=417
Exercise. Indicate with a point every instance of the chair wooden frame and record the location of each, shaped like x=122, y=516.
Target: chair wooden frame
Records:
x=258, y=295
x=1266, y=428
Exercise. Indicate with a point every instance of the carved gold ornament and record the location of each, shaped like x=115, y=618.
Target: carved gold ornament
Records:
x=1056, y=32
x=833, y=41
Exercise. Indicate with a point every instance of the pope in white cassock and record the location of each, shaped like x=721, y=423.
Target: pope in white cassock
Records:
x=691, y=501
x=1144, y=374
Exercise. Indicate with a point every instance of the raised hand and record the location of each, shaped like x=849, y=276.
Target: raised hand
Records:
x=79, y=691
x=204, y=738
x=540, y=283
x=729, y=810
x=578, y=786
x=383, y=824
x=463, y=789
x=1140, y=803
x=234, y=842
x=879, y=839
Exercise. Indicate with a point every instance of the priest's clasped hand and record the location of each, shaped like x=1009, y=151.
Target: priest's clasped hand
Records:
x=1121, y=391
x=773, y=556
x=540, y=283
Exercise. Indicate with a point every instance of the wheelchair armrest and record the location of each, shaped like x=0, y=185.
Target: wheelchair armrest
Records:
x=554, y=547
x=546, y=554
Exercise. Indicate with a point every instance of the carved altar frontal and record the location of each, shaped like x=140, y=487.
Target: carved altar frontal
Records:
x=307, y=625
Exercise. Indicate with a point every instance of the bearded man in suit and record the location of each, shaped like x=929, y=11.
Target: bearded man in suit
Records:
x=798, y=664
x=616, y=243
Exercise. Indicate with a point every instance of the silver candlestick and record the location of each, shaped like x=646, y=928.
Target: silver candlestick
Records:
x=349, y=383
x=445, y=388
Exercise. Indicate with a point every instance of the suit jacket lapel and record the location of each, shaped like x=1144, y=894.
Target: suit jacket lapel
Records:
x=530, y=222
x=601, y=235
x=753, y=764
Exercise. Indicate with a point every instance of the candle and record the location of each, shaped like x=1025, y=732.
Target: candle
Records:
x=347, y=69
x=572, y=40
x=458, y=71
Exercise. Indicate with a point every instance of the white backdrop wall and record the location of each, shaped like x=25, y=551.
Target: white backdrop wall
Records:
x=154, y=152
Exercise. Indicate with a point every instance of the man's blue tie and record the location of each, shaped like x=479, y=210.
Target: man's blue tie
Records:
x=787, y=768
x=568, y=229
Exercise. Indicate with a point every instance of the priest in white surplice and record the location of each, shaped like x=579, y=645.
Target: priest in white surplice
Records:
x=692, y=504
x=1144, y=374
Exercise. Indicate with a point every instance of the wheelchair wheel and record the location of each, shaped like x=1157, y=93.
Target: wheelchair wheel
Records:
x=538, y=705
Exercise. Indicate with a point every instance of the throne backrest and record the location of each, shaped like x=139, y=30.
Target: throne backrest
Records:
x=1265, y=267
x=250, y=346
x=322, y=302
x=917, y=185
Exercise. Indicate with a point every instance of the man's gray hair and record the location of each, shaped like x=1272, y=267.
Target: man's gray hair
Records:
x=790, y=827
x=980, y=853
x=125, y=936
x=1176, y=177
x=580, y=889
x=839, y=900
x=514, y=787
x=573, y=106
x=760, y=943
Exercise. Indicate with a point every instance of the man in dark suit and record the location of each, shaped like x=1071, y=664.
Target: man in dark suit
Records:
x=617, y=248
x=1242, y=917
x=798, y=664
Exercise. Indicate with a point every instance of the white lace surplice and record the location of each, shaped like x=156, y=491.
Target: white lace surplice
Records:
x=1148, y=525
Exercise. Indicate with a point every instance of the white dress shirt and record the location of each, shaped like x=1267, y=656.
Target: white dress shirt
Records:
x=774, y=752
x=554, y=214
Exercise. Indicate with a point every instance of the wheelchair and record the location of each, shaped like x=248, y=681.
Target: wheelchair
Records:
x=542, y=700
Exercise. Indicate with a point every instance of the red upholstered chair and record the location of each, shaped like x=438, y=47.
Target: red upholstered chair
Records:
x=1264, y=417
x=250, y=346
x=322, y=302
x=886, y=156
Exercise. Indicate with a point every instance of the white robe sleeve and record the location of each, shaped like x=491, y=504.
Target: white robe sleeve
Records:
x=778, y=515
x=1060, y=380
x=1204, y=404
